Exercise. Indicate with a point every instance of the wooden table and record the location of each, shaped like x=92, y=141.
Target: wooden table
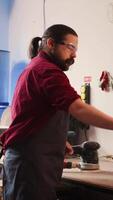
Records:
x=88, y=184
x=101, y=178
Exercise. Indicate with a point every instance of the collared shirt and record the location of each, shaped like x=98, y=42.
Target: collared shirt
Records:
x=42, y=89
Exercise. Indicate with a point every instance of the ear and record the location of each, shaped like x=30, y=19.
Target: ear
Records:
x=50, y=42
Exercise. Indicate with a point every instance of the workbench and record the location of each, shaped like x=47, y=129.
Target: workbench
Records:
x=79, y=184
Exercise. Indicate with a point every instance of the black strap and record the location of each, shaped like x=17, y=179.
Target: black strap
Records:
x=1, y=152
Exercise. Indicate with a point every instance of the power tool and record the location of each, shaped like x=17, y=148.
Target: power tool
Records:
x=88, y=154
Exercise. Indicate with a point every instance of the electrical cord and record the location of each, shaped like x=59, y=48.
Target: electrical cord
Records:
x=44, y=15
x=108, y=157
x=85, y=133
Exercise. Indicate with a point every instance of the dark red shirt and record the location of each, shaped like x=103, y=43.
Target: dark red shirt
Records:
x=41, y=90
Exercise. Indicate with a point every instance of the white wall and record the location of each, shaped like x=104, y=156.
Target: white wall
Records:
x=26, y=22
x=93, y=21
x=4, y=24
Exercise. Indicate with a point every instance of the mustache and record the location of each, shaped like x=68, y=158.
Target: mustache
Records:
x=63, y=64
x=67, y=64
x=70, y=61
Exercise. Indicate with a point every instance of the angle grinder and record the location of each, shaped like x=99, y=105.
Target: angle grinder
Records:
x=88, y=155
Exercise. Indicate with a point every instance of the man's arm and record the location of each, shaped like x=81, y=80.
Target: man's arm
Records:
x=90, y=115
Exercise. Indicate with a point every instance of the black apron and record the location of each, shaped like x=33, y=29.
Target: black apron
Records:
x=32, y=171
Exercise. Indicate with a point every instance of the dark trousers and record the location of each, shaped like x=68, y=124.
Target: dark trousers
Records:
x=23, y=181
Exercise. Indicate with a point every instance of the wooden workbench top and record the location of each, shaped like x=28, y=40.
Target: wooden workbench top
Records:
x=100, y=178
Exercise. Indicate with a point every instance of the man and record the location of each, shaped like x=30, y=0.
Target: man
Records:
x=32, y=52
x=34, y=144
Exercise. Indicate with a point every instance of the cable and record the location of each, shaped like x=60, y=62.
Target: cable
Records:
x=44, y=15
x=110, y=12
x=85, y=133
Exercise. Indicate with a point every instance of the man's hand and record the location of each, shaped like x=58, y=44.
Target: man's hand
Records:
x=69, y=148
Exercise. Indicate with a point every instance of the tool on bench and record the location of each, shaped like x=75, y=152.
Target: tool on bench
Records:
x=88, y=154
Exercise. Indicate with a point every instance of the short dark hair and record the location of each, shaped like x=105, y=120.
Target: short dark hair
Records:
x=58, y=32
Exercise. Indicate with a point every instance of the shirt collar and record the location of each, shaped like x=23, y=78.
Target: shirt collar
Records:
x=45, y=55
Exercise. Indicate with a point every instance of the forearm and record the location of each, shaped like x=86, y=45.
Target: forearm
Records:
x=90, y=115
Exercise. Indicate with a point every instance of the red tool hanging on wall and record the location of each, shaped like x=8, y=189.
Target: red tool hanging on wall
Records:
x=104, y=81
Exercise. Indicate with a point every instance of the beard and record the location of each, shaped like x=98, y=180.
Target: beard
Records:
x=63, y=64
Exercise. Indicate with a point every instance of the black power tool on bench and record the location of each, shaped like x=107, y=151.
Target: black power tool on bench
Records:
x=88, y=154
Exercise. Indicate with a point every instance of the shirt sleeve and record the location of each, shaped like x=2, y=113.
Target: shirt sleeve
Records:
x=57, y=89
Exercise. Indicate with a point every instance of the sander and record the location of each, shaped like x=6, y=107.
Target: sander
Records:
x=88, y=155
